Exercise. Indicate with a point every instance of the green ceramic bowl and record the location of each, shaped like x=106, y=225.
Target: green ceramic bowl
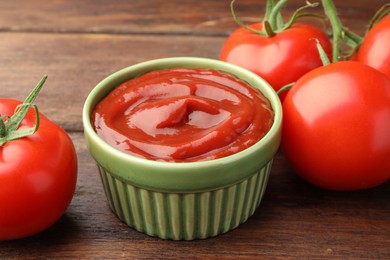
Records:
x=191, y=200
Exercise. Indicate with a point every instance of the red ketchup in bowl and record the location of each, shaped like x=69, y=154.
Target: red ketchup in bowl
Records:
x=183, y=115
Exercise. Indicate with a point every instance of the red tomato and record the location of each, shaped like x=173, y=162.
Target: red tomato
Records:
x=375, y=48
x=37, y=176
x=281, y=59
x=336, y=126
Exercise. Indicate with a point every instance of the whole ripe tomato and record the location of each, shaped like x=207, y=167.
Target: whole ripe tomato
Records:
x=336, y=126
x=37, y=176
x=281, y=59
x=375, y=48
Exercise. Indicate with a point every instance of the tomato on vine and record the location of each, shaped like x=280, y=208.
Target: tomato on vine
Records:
x=336, y=126
x=38, y=169
x=337, y=122
x=278, y=52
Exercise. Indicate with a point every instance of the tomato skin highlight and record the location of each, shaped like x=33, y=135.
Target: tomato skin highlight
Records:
x=336, y=127
x=281, y=59
x=38, y=177
x=374, y=50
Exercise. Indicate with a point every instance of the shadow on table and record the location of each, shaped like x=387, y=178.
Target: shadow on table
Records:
x=62, y=232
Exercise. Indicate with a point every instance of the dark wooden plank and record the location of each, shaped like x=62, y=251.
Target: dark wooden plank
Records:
x=205, y=17
x=294, y=220
x=75, y=63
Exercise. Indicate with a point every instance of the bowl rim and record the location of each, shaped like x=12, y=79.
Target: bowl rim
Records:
x=94, y=143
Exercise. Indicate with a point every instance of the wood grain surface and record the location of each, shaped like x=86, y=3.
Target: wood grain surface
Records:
x=78, y=43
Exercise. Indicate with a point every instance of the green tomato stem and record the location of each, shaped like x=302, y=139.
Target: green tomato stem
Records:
x=355, y=39
x=337, y=28
x=275, y=16
x=379, y=15
x=268, y=29
x=9, y=128
x=324, y=57
x=268, y=9
x=299, y=13
x=241, y=24
x=340, y=33
x=285, y=88
x=273, y=20
x=3, y=127
x=21, y=112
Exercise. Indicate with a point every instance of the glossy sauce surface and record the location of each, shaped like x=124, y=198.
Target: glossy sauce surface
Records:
x=183, y=115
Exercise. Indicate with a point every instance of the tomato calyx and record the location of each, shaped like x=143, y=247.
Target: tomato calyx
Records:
x=323, y=56
x=273, y=22
x=9, y=124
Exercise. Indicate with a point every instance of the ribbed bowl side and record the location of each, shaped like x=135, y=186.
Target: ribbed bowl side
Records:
x=185, y=216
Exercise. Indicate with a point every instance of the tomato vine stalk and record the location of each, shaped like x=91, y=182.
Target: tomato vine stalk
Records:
x=379, y=15
x=273, y=21
x=9, y=124
x=339, y=32
x=343, y=34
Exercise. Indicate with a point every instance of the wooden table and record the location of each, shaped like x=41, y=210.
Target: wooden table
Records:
x=78, y=43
